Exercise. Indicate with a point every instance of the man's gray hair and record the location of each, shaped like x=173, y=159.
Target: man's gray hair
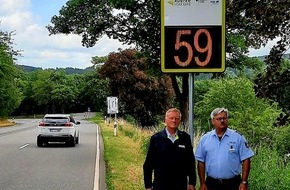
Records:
x=217, y=111
x=173, y=110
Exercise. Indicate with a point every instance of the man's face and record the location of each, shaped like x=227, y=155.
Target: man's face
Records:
x=172, y=120
x=220, y=121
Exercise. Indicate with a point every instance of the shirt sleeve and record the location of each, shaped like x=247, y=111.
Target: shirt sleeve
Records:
x=148, y=165
x=199, y=153
x=192, y=170
x=245, y=151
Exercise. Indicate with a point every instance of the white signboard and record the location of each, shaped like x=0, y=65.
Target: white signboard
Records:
x=112, y=103
x=193, y=12
x=193, y=36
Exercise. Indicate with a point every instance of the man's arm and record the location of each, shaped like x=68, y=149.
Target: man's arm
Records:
x=191, y=187
x=148, y=166
x=201, y=174
x=246, y=166
x=191, y=164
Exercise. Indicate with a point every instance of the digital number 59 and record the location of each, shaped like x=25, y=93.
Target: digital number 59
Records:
x=207, y=49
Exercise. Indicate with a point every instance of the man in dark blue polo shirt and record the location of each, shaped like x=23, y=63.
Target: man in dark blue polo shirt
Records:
x=170, y=157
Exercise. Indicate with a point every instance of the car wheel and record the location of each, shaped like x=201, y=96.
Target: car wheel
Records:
x=72, y=142
x=39, y=142
x=77, y=139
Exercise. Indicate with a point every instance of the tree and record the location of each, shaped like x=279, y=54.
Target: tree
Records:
x=248, y=24
x=28, y=105
x=98, y=61
x=139, y=94
x=6, y=43
x=253, y=117
x=259, y=21
x=54, y=90
x=93, y=91
x=274, y=84
x=51, y=91
x=10, y=96
x=272, y=20
x=64, y=93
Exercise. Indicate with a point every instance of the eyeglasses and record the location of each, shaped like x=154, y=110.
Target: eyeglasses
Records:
x=221, y=118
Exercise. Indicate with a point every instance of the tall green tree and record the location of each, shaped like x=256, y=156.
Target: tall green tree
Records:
x=28, y=105
x=259, y=22
x=254, y=117
x=93, y=91
x=98, y=61
x=64, y=92
x=54, y=90
x=253, y=23
x=10, y=96
x=248, y=24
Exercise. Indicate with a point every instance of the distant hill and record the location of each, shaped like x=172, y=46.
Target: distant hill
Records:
x=28, y=68
x=285, y=56
x=68, y=70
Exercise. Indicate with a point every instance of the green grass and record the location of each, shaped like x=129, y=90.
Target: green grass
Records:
x=269, y=170
x=123, y=155
x=35, y=116
x=6, y=123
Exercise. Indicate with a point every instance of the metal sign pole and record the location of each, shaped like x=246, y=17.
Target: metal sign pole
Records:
x=191, y=107
x=115, y=126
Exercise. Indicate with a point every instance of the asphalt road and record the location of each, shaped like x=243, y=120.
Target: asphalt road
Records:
x=24, y=166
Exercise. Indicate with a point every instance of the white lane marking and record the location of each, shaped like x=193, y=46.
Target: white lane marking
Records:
x=97, y=165
x=23, y=146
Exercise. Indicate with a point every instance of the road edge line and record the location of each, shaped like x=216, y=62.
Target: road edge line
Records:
x=97, y=164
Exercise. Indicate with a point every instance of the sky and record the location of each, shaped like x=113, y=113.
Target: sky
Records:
x=29, y=18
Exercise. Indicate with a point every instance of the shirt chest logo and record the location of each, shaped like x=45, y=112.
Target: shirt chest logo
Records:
x=231, y=146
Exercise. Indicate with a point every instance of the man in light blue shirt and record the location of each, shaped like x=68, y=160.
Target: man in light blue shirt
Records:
x=223, y=156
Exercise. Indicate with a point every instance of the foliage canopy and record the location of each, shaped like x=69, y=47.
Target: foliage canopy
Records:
x=248, y=24
x=140, y=95
x=10, y=96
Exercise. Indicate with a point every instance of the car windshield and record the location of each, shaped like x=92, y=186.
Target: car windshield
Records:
x=56, y=120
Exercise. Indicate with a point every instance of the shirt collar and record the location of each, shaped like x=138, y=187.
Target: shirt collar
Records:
x=213, y=133
x=169, y=136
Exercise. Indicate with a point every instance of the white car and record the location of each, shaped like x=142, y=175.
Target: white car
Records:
x=58, y=128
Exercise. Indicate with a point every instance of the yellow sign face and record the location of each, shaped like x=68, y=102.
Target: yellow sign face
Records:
x=192, y=36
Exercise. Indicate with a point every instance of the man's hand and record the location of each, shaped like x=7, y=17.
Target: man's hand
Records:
x=190, y=187
x=203, y=186
x=243, y=186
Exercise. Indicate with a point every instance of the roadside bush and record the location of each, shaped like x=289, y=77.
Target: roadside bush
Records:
x=281, y=139
x=201, y=87
x=251, y=116
x=268, y=170
x=125, y=155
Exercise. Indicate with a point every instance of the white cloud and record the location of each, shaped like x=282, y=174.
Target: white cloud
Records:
x=14, y=14
x=11, y=6
x=264, y=50
x=42, y=50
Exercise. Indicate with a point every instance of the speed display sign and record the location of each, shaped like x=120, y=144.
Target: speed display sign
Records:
x=192, y=36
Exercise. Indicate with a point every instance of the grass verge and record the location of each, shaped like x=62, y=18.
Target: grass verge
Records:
x=124, y=154
x=6, y=123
